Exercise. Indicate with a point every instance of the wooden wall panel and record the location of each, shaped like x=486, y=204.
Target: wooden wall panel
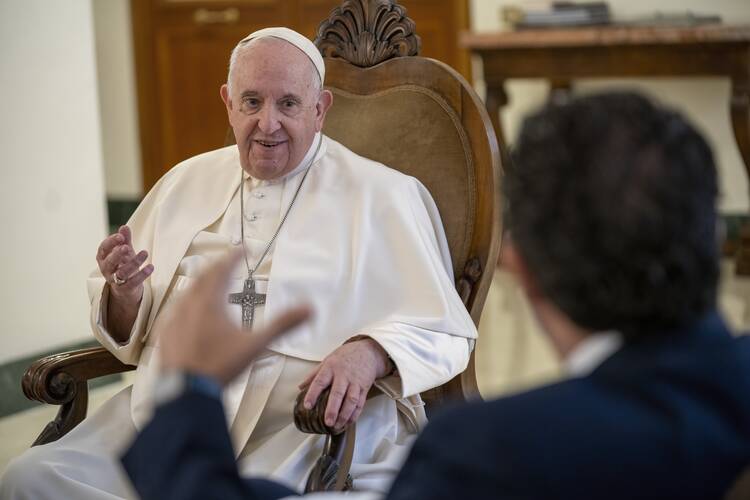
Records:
x=309, y=13
x=182, y=49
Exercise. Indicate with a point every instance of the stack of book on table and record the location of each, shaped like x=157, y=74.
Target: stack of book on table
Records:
x=558, y=14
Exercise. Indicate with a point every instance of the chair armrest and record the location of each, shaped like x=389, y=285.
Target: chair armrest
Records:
x=62, y=379
x=331, y=471
x=312, y=421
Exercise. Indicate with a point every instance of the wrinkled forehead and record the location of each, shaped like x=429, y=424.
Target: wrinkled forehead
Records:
x=271, y=58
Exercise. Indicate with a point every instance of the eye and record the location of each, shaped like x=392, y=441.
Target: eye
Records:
x=288, y=104
x=250, y=103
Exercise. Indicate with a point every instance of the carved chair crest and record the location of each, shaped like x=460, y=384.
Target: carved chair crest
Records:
x=366, y=33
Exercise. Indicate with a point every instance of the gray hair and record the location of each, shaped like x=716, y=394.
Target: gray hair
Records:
x=243, y=45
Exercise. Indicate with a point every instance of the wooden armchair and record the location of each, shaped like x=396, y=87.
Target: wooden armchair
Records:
x=414, y=114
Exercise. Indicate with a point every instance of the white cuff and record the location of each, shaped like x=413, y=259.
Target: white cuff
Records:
x=128, y=351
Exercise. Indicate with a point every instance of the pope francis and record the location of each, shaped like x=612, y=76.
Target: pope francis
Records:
x=361, y=243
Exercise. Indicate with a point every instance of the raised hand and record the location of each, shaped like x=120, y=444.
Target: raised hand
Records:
x=121, y=267
x=199, y=336
x=350, y=371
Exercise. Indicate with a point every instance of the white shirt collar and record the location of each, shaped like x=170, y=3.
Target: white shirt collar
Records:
x=592, y=352
x=304, y=164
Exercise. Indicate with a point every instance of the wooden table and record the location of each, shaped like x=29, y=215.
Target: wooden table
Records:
x=562, y=55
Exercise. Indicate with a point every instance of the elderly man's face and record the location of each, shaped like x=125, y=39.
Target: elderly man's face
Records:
x=275, y=107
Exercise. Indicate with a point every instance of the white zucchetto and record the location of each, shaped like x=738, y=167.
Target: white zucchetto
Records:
x=296, y=39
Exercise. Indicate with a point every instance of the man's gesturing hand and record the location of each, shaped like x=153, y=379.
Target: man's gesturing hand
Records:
x=350, y=370
x=201, y=339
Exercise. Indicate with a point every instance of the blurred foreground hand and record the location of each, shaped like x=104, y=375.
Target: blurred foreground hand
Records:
x=199, y=337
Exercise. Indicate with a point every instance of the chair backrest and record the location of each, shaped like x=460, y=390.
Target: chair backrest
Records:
x=421, y=117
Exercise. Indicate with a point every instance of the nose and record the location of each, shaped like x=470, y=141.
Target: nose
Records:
x=268, y=120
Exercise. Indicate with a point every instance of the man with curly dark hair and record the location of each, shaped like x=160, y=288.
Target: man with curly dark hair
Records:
x=612, y=208
x=612, y=235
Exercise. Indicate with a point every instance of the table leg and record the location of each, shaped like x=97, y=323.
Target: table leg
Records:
x=740, y=111
x=496, y=99
x=560, y=91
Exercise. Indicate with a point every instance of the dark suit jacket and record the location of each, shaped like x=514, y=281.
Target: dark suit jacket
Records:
x=664, y=418
x=185, y=453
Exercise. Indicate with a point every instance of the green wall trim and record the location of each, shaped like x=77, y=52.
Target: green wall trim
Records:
x=11, y=373
x=119, y=211
x=733, y=222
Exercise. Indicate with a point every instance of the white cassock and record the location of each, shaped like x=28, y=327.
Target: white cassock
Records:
x=363, y=244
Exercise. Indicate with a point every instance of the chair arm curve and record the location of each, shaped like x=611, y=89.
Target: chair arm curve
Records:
x=62, y=379
x=52, y=379
x=312, y=421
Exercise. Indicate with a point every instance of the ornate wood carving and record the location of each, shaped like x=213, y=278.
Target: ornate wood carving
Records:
x=367, y=32
x=62, y=379
x=312, y=421
x=465, y=284
x=325, y=474
x=69, y=415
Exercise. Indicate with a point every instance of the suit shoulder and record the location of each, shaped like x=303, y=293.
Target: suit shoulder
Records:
x=559, y=411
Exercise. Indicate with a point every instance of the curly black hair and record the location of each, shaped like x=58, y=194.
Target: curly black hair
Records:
x=611, y=203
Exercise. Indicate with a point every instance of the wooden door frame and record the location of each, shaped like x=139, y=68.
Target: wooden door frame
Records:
x=147, y=94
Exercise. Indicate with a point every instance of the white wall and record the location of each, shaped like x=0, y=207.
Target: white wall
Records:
x=52, y=201
x=117, y=98
x=705, y=101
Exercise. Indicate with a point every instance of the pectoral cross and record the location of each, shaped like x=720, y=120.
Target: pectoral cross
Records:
x=248, y=299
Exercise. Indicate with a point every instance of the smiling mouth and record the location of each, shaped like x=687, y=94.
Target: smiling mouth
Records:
x=269, y=144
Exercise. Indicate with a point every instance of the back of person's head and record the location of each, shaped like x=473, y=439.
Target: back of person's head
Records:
x=612, y=207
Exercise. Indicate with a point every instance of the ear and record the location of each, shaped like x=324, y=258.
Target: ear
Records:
x=321, y=108
x=513, y=261
x=224, y=91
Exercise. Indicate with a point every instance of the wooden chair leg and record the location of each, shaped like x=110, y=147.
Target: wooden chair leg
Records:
x=331, y=471
x=69, y=414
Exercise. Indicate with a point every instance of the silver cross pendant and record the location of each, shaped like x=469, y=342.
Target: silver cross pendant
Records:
x=248, y=299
